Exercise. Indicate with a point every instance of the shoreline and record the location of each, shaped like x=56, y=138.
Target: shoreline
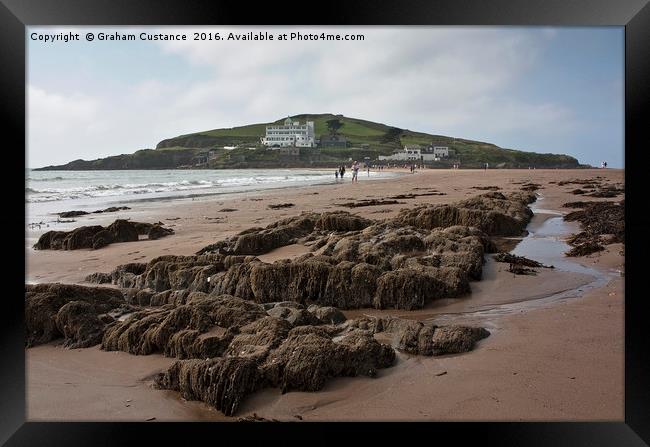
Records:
x=537, y=342
x=126, y=199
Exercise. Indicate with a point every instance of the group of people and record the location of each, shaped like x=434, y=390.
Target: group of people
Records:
x=340, y=171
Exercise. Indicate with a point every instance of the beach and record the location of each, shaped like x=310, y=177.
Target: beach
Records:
x=556, y=344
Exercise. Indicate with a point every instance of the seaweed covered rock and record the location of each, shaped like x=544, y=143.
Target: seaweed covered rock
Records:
x=354, y=262
x=343, y=272
x=52, y=240
x=601, y=218
x=158, y=231
x=80, y=324
x=601, y=223
x=296, y=281
x=256, y=339
x=123, y=231
x=69, y=214
x=494, y=213
x=327, y=314
x=431, y=340
x=294, y=315
x=134, y=335
x=256, y=241
x=412, y=288
x=530, y=187
x=220, y=365
x=341, y=221
x=350, y=285
x=222, y=382
x=75, y=213
x=94, y=236
x=421, y=338
x=190, y=343
x=268, y=352
x=212, y=318
x=102, y=239
x=303, y=361
x=585, y=248
x=344, y=285
x=166, y=272
x=81, y=237
x=123, y=275
x=99, y=278
x=306, y=361
x=46, y=319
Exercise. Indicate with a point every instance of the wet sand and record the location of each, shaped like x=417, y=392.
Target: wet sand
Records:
x=550, y=357
x=94, y=385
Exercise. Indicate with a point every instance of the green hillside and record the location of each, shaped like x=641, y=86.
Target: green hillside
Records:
x=365, y=140
x=357, y=131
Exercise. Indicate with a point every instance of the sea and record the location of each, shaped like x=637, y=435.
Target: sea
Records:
x=51, y=192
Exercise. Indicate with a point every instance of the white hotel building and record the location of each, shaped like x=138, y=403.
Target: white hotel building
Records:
x=416, y=153
x=292, y=133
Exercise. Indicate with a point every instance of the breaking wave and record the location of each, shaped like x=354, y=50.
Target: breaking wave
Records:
x=88, y=185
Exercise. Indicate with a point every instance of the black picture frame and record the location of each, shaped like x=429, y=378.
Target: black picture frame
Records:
x=634, y=15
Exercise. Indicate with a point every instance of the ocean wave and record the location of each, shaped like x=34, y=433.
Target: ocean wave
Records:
x=46, y=179
x=81, y=188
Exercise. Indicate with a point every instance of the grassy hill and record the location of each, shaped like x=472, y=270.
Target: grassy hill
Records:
x=364, y=139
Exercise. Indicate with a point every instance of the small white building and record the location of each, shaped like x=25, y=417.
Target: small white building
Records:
x=410, y=153
x=292, y=133
x=441, y=151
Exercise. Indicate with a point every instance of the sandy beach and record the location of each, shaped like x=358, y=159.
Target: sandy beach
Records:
x=555, y=352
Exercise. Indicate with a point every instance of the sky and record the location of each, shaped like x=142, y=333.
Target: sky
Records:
x=539, y=89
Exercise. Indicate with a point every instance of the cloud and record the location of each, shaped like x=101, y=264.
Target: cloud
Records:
x=53, y=118
x=395, y=74
x=57, y=114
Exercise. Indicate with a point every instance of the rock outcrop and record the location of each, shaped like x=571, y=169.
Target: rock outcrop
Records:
x=228, y=347
x=271, y=353
x=76, y=213
x=287, y=359
x=494, y=213
x=424, y=254
x=96, y=236
x=77, y=313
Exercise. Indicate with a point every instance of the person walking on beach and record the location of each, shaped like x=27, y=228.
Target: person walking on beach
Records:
x=368, y=170
x=342, y=172
x=355, y=171
x=336, y=174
